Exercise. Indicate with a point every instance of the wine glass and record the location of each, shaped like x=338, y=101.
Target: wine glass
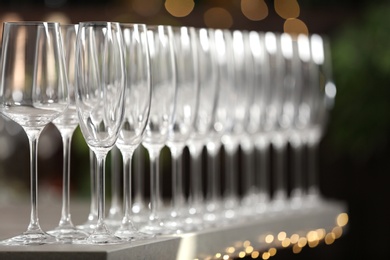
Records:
x=270, y=128
x=208, y=93
x=237, y=100
x=137, y=108
x=289, y=97
x=255, y=181
x=100, y=92
x=306, y=79
x=66, y=125
x=33, y=92
x=187, y=91
x=324, y=92
x=222, y=121
x=162, y=108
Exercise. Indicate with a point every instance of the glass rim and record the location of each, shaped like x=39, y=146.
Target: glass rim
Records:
x=99, y=23
x=28, y=23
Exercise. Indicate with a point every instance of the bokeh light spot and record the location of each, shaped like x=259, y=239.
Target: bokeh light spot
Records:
x=287, y=8
x=218, y=17
x=254, y=10
x=146, y=8
x=179, y=8
x=295, y=27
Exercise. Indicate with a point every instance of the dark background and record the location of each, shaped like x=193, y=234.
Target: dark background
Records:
x=355, y=152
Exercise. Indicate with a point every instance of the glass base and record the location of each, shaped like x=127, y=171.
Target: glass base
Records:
x=88, y=226
x=154, y=227
x=132, y=235
x=68, y=235
x=101, y=236
x=29, y=238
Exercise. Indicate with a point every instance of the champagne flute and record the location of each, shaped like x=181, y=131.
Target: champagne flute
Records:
x=66, y=125
x=100, y=92
x=33, y=92
x=187, y=94
x=208, y=93
x=137, y=108
x=161, y=115
x=324, y=92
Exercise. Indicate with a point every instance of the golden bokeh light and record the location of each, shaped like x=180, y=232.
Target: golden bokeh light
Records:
x=230, y=250
x=287, y=8
x=218, y=17
x=294, y=238
x=249, y=249
x=179, y=8
x=302, y=242
x=255, y=254
x=282, y=236
x=146, y=8
x=266, y=255
x=58, y=17
x=295, y=27
x=286, y=242
x=246, y=243
x=296, y=249
x=269, y=239
x=272, y=251
x=329, y=238
x=254, y=10
x=338, y=231
x=342, y=219
x=241, y=254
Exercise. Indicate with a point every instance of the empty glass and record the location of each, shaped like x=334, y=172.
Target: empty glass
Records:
x=33, y=92
x=100, y=95
x=66, y=124
x=161, y=114
x=137, y=108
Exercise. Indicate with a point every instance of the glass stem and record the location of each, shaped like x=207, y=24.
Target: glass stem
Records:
x=280, y=181
x=101, y=161
x=313, y=173
x=248, y=171
x=196, y=189
x=177, y=179
x=297, y=174
x=34, y=222
x=93, y=175
x=115, y=209
x=214, y=178
x=127, y=160
x=139, y=179
x=262, y=165
x=65, y=212
x=155, y=191
x=231, y=181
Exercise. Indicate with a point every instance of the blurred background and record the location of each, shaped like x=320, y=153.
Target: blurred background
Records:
x=355, y=152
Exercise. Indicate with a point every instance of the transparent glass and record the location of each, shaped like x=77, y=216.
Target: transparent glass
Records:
x=208, y=93
x=66, y=125
x=160, y=122
x=115, y=213
x=187, y=94
x=137, y=108
x=33, y=92
x=236, y=105
x=254, y=145
x=90, y=224
x=100, y=88
x=324, y=93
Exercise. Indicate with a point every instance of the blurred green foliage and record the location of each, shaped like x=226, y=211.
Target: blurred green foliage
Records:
x=360, y=121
